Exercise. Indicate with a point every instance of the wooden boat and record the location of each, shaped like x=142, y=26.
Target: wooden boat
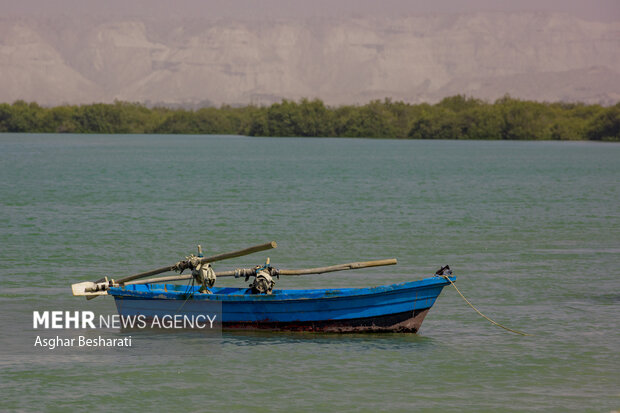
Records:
x=389, y=308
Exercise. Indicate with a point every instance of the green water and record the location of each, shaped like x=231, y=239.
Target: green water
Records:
x=531, y=229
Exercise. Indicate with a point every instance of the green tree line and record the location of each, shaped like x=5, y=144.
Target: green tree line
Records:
x=456, y=117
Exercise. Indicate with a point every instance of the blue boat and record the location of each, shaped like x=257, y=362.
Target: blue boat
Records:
x=389, y=308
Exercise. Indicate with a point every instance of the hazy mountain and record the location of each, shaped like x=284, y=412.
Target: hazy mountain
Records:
x=542, y=56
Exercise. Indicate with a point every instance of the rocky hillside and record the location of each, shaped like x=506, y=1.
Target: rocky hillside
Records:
x=539, y=56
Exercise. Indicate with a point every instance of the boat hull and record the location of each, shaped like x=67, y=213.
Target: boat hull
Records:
x=406, y=322
x=390, y=308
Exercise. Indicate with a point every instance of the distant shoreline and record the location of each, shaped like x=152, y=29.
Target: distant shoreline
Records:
x=456, y=117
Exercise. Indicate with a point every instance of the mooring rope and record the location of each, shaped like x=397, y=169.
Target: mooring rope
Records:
x=478, y=311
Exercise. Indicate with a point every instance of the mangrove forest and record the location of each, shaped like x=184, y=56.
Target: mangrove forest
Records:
x=456, y=117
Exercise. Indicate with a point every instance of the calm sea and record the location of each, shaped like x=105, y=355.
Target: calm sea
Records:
x=531, y=229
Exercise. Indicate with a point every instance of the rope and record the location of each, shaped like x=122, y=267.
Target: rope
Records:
x=476, y=310
x=190, y=285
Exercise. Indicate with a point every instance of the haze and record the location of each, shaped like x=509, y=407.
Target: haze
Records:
x=193, y=53
x=603, y=10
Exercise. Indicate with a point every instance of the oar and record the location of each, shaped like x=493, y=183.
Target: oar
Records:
x=90, y=288
x=252, y=271
x=340, y=267
x=185, y=264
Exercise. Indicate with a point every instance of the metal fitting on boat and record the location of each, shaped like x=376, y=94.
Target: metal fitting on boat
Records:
x=263, y=283
x=205, y=276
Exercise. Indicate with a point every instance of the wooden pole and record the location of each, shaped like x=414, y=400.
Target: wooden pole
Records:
x=340, y=267
x=214, y=258
x=243, y=271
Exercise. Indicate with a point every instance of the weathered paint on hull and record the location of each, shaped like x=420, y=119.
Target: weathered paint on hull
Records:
x=390, y=308
x=407, y=322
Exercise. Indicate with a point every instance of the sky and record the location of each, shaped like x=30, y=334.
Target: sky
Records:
x=600, y=10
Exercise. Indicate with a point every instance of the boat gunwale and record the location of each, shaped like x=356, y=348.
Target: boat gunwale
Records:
x=160, y=292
